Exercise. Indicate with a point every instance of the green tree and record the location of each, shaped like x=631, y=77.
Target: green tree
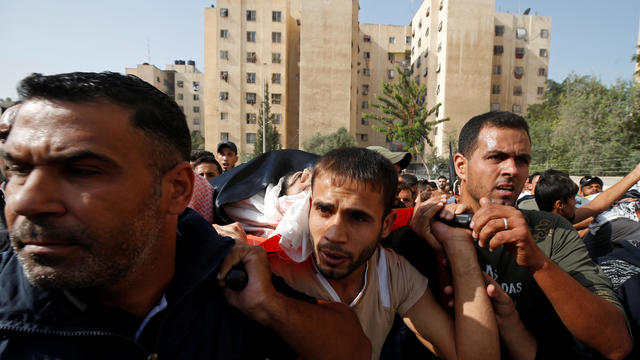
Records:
x=403, y=113
x=636, y=58
x=197, y=141
x=265, y=117
x=322, y=144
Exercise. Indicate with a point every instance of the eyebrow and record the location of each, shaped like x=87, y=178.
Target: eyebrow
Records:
x=69, y=157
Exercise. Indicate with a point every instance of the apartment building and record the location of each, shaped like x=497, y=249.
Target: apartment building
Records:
x=637, y=71
x=181, y=81
x=474, y=60
x=324, y=68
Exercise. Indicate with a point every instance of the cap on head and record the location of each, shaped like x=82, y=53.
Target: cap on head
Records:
x=403, y=159
x=229, y=145
x=588, y=180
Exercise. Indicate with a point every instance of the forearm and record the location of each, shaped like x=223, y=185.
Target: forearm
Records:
x=590, y=318
x=606, y=198
x=317, y=331
x=476, y=331
x=519, y=342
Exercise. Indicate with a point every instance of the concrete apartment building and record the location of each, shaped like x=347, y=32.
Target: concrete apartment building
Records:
x=474, y=60
x=330, y=67
x=183, y=82
x=637, y=71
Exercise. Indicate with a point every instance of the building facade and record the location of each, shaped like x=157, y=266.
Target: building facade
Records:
x=324, y=69
x=182, y=82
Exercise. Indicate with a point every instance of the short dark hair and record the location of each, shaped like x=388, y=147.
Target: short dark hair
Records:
x=554, y=185
x=588, y=179
x=468, y=140
x=155, y=113
x=410, y=179
x=362, y=166
x=208, y=159
x=422, y=184
x=197, y=154
x=442, y=177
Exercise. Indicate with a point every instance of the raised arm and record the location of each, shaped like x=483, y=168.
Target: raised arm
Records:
x=474, y=335
x=314, y=331
x=605, y=199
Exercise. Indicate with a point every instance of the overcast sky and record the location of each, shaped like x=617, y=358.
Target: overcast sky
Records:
x=588, y=37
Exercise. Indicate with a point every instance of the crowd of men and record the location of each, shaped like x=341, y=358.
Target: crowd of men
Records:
x=120, y=240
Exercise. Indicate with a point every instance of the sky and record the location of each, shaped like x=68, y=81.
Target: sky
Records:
x=588, y=37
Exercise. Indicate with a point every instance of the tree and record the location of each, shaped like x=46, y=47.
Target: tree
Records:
x=403, y=114
x=197, y=141
x=636, y=58
x=265, y=117
x=322, y=144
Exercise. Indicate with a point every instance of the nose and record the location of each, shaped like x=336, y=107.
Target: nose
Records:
x=337, y=231
x=509, y=167
x=37, y=195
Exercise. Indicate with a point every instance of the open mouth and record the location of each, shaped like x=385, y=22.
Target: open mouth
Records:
x=333, y=258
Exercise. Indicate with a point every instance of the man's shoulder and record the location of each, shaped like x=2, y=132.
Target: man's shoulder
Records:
x=527, y=202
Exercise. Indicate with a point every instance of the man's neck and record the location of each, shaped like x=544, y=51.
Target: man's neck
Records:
x=349, y=287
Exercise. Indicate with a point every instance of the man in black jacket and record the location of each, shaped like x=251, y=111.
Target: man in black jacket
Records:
x=101, y=266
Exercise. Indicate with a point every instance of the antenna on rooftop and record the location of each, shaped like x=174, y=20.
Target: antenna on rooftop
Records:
x=148, y=50
x=526, y=12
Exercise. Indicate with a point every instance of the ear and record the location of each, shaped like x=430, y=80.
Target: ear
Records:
x=460, y=164
x=387, y=223
x=557, y=207
x=177, y=186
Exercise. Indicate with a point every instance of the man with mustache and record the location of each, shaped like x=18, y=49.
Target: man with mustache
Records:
x=535, y=256
x=106, y=263
x=352, y=192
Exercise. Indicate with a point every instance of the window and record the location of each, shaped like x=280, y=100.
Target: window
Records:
x=440, y=26
x=251, y=138
x=366, y=38
x=364, y=121
x=519, y=53
x=365, y=89
x=366, y=55
x=196, y=97
x=495, y=89
x=497, y=69
x=275, y=58
x=544, y=33
x=420, y=24
x=426, y=32
x=499, y=30
x=179, y=96
x=158, y=79
x=366, y=72
x=437, y=89
x=417, y=80
x=517, y=90
x=439, y=46
x=391, y=57
x=391, y=74
x=251, y=78
x=419, y=42
x=428, y=11
x=516, y=108
x=251, y=98
x=224, y=75
x=365, y=104
x=540, y=90
x=224, y=12
x=426, y=52
x=276, y=16
x=196, y=121
x=276, y=99
x=224, y=95
x=224, y=55
x=224, y=33
x=224, y=116
x=495, y=107
x=407, y=40
x=426, y=71
x=251, y=36
x=196, y=85
x=498, y=49
x=251, y=118
x=438, y=68
x=196, y=109
x=276, y=37
x=441, y=4
x=275, y=78
x=518, y=72
x=251, y=15
x=251, y=57
x=392, y=40
x=224, y=136
x=276, y=118
x=179, y=83
x=363, y=137
x=543, y=52
x=181, y=108
x=542, y=71
x=435, y=130
x=521, y=33
x=418, y=63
